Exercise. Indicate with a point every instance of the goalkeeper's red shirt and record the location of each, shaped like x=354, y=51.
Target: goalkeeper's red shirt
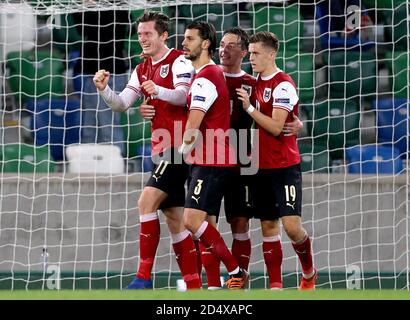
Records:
x=209, y=94
x=276, y=91
x=169, y=72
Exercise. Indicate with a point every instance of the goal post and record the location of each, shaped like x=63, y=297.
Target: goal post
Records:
x=64, y=225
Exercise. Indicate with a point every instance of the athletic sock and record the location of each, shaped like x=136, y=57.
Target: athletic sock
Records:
x=272, y=253
x=198, y=258
x=212, y=239
x=241, y=249
x=149, y=239
x=185, y=253
x=304, y=252
x=212, y=266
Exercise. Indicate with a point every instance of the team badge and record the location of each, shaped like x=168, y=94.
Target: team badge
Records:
x=164, y=71
x=248, y=89
x=266, y=94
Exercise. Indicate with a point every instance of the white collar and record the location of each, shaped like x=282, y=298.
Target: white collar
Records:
x=234, y=75
x=162, y=58
x=208, y=64
x=271, y=76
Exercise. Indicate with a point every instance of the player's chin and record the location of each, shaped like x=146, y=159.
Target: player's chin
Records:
x=255, y=68
x=188, y=56
x=146, y=51
x=224, y=61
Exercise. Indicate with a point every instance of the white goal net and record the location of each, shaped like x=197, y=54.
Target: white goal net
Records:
x=68, y=205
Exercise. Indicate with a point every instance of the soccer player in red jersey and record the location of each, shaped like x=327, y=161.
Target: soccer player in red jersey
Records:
x=163, y=79
x=237, y=197
x=232, y=50
x=206, y=145
x=277, y=187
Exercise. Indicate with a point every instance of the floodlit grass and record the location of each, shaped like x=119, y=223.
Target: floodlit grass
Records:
x=320, y=294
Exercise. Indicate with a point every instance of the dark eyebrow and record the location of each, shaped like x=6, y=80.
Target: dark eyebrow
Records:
x=231, y=42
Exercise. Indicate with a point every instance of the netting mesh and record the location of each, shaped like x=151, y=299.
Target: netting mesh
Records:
x=354, y=100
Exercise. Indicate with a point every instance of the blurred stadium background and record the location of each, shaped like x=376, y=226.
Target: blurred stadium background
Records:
x=78, y=221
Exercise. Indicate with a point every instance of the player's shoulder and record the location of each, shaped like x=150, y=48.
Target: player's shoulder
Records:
x=211, y=71
x=210, y=76
x=175, y=54
x=141, y=68
x=182, y=61
x=284, y=77
x=278, y=78
x=144, y=64
x=248, y=78
x=170, y=58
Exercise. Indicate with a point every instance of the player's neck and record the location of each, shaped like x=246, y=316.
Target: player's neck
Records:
x=161, y=53
x=201, y=61
x=232, y=69
x=269, y=71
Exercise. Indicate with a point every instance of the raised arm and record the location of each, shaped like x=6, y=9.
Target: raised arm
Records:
x=117, y=102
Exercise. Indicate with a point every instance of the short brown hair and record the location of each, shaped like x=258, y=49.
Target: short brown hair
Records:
x=241, y=33
x=206, y=32
x=268, y=39
x=160, y=19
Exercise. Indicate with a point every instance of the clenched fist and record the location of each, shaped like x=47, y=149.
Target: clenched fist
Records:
x=150, y=87
x=101, y=78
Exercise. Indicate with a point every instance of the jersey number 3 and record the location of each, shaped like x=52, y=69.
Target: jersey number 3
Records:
x=198, y=187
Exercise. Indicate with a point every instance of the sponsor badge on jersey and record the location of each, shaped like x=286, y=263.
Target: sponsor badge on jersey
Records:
x=266, y=94
x=248, y=89
x=282, y=100
x=164, y=71
x=199, y=98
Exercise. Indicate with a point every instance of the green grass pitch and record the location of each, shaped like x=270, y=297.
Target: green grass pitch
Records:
x=320, y=294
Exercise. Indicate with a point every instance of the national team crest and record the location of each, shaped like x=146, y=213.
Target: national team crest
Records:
x=164, y=71
x=266, y=94
x=248, y=89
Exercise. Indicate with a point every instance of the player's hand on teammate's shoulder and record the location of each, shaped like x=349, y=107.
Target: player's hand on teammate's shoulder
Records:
x=101, y=79
x=147, y=111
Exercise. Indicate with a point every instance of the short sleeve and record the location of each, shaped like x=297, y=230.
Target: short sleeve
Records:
x=182, y=71
x=203, y=94
x=285, y=96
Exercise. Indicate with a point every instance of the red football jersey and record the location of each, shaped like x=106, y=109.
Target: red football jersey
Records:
x=239, y=117
x=169, y=72
x=209, y=93
x=277, y=91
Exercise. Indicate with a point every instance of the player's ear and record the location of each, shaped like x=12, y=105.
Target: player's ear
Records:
x=165, y=35
x=205, y=44
x=273, y=54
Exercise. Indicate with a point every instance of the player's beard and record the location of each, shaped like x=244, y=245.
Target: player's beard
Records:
x=194, y=54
